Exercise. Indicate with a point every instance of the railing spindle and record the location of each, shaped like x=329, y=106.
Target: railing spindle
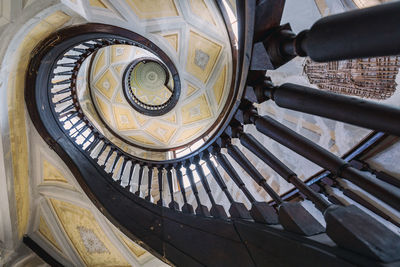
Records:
x=173, y=204
x=338, y=107
x=216, y=210
x=201, y=209
x=186, y=208
x=140, y=177
x=320, y=156
x=149, y=184
x=128, y=186
x=160, y=202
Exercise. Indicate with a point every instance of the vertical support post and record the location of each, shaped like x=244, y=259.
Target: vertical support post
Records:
x=150, y=180
x=320, y=156
x=201, y=209
x=186, y=208
x=122, y=170
x=217, y=211
x=107, y=158
x=138, y=192
x=128, y=186
x=279, y=167
x=172, y=205
x=160, y=202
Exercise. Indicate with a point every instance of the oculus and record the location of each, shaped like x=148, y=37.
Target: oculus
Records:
x=149, y=87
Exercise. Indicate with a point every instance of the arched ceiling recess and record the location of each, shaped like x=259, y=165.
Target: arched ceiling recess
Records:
x=193, y=35
x=38, y=187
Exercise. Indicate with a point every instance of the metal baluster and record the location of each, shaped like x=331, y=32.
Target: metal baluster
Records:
x=117, y=157
x=63, y=100
x=63, y=111
x=334, y=106
x=217, y=176
x=108, y=157
x=242, y=160
x=343, y=223
x=80, y=131
x=160, y=202
x=332, y=197
x=150, y=180
x=103, y=148
x=221, y=158
x=68, y=115
x=237, y=209
x=74, y=125
x=64, y=73
x=216, y=210
x=201, y=209
x=279, y=167
x=95, y=142
x=79, y=50
x=128, y=186
x=186, y=208
x=63, y=91
x=381, y=175
x=89, y=45
x=66, y=65
x=138, y=192
x=66, y=81
x=172, y=205
x=73, y=57
x=125, y=161
x=320, y=156
x=87, y=138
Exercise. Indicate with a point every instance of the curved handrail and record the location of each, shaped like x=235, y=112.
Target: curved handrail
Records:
x=165, y=231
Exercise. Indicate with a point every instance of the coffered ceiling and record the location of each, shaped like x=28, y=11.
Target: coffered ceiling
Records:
x=193, y=35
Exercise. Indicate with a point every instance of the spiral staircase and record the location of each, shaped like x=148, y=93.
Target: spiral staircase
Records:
x=114, y=142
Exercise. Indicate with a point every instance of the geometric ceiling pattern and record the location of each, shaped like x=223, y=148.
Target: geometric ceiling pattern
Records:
x=71, y=226
x=193, y=35
x=76, y=236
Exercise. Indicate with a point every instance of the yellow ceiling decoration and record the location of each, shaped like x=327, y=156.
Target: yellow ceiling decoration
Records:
x=87, y=236
x=100, y=62
x=219, y=86
x=136, y=249
x=52, y=174
x=119, y=69
x=119, y=98
x=47, y=234
x=190, y=90
x=152, y=97
x=171, y=118
x=189, y=132
x=172, y=40
x=120, y=52
x=163, y=132
x=140, y=118
x=124, y=119
x=141, y=139
x=203, y=66
x=200, y=9
x=202, y=56
x=16, y=112
x=97, y=3
x=153, y=9
x=107, y=84
x=198, y=109
x=104, y=109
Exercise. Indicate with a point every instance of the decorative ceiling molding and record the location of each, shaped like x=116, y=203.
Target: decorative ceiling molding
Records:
x=72, y=220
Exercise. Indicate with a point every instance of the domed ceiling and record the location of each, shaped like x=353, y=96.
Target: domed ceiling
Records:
x=194, y=37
